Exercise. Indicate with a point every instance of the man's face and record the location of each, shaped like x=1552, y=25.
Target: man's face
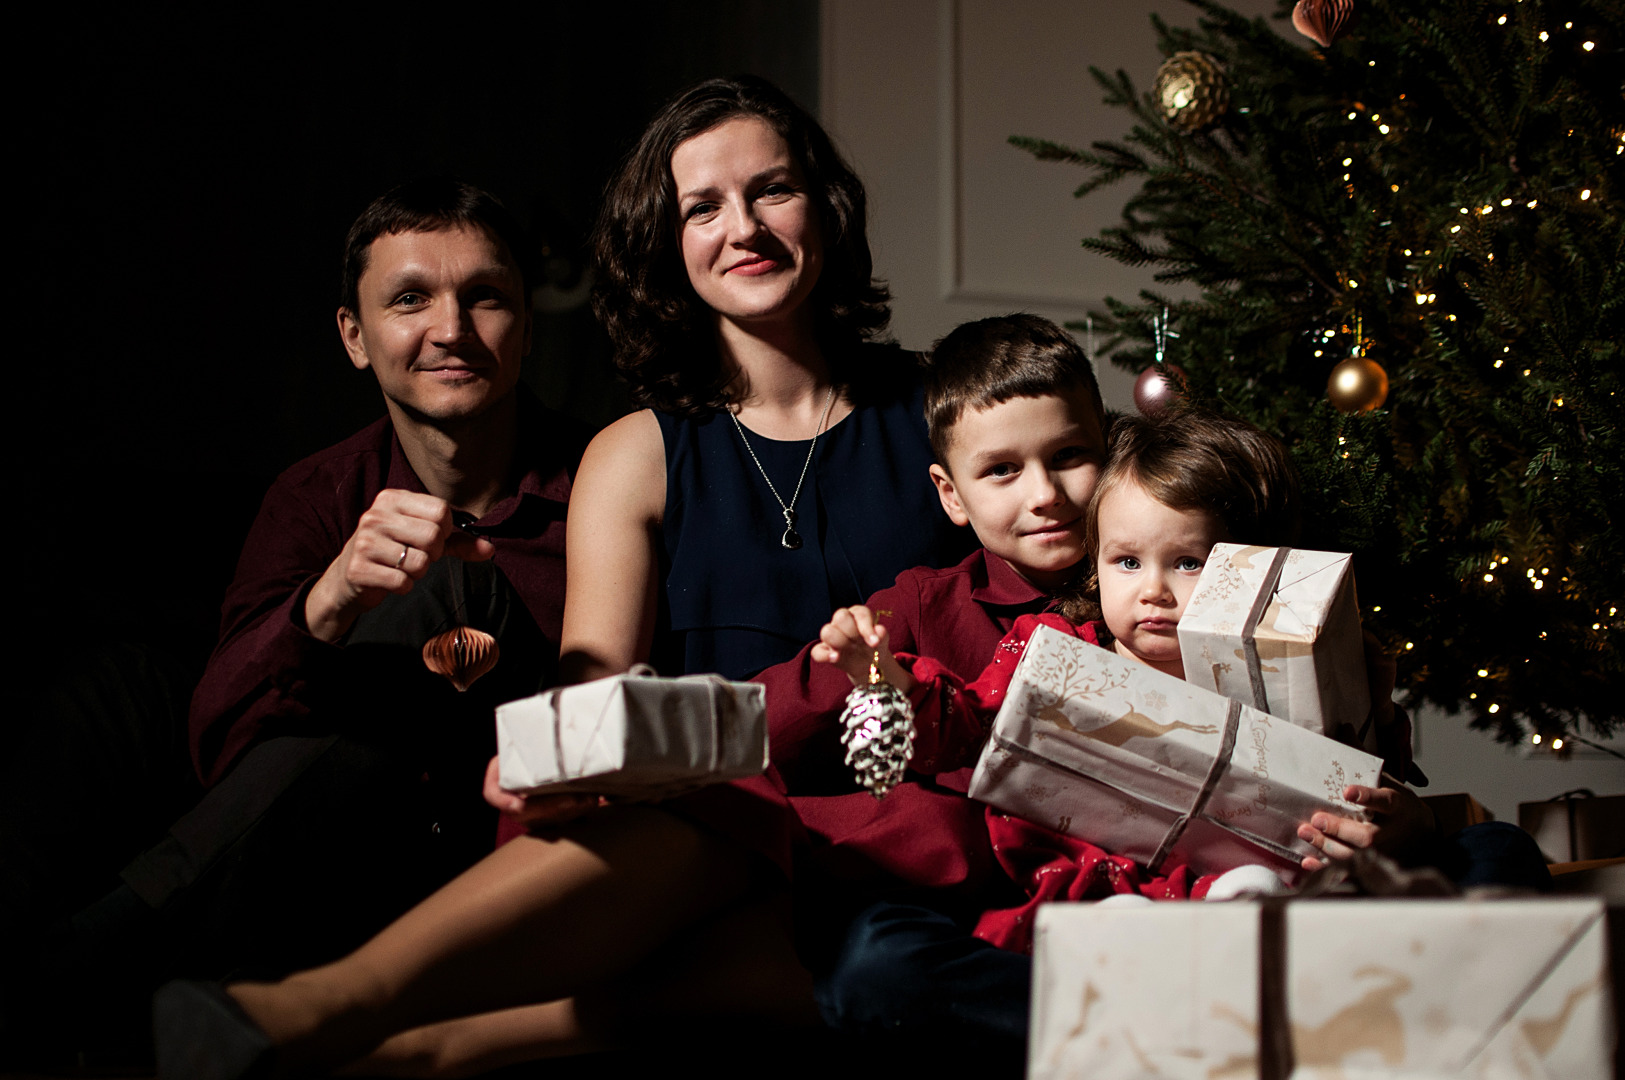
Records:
x=443, y=322
x=1020, y=473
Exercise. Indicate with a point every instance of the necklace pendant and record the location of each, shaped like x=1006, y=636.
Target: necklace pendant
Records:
x=791, y=540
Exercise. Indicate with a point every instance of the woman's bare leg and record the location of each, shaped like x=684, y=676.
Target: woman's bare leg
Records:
x=740, y=964
x=536, y=921
x=472, y=1045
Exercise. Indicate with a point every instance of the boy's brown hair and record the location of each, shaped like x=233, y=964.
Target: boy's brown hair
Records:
x=983, y=363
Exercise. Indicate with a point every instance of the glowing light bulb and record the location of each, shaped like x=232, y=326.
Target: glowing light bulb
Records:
x=1586, y=194
x=1455, y=228
x=1383, y=128
x=1489, y=577
x=1588, y=46
x=1557, y=744
x=1502, y=21
x=1351, y=116
x=1539, y=584
x=1498, y=363
x=1495, y=708
x=1409, y=645
x=1465, y=210
x=1535, y=738
x=1421, y=298
x=1395, y=187
x=1506, y=202
x=1487, y=209
x=1531, y=204
x=1348, y=161
x=1483, y=673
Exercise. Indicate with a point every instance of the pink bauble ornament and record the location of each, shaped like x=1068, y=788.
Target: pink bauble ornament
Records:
x=1158, y=387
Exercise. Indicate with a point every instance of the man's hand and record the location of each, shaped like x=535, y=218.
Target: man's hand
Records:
x=851, y=640
x=400, y=536
x=1400, y=826
x=531, y=810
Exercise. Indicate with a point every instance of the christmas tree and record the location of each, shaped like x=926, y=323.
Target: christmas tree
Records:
x=1428, y=199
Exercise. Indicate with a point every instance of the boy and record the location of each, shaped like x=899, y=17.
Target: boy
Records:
x=1017, y=427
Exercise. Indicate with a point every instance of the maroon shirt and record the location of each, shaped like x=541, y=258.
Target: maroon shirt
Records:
x=259, y=676
x=925, y=833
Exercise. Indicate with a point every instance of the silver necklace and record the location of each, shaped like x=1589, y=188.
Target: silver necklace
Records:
x=791, y=540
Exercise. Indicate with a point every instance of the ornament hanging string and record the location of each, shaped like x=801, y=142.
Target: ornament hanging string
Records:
x=1160, y=333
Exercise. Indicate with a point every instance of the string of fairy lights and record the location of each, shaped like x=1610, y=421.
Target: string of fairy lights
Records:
x=1359, y=384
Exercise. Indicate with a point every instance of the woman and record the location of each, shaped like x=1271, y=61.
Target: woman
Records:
x=737, y=289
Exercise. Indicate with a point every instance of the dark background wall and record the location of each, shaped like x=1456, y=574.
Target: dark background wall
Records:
x=190, y=179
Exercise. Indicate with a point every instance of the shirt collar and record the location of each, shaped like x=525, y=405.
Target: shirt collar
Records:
x=1000, y=585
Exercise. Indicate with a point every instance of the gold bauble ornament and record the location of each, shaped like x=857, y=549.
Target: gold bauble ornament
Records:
x=1191, y=90
x=1358, y=384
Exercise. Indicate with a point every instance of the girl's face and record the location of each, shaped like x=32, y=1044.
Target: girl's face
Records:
x=1149, y=560
x=747, y=228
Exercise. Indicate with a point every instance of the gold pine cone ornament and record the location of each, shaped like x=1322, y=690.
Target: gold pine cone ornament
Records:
x=1191, y=90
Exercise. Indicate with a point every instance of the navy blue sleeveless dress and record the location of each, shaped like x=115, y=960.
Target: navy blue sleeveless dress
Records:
x=736, y=601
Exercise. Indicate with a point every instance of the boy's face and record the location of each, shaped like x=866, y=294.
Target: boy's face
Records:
x=1149, y=561
x=1020, y=473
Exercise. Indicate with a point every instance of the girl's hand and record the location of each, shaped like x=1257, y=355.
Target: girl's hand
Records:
x=851, y=641
x=1400, y=826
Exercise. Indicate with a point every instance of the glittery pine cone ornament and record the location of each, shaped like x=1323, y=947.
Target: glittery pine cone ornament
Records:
x=461, y=654
x=878, y=733
x=1191, y=90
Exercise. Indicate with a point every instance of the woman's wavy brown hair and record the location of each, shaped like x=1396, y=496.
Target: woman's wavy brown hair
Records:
x=665, y=343
x=1192, y=459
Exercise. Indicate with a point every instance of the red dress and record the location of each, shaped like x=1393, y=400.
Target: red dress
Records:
x=953, y=719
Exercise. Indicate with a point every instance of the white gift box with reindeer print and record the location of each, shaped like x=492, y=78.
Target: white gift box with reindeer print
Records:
x=1279, y=629
x=1322, y=989
x=1145, y=765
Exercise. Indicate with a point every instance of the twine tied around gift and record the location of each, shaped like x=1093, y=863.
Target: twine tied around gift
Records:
x=1368, y=873
x=1210, y=783
x=1261, y=604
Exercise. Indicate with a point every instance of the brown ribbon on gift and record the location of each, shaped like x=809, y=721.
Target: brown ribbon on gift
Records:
x=1372, y=874
x=1261, y=604
x=1210, y=782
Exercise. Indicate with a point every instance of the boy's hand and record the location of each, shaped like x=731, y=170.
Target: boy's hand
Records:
x=850, y=641
x=1402, y=824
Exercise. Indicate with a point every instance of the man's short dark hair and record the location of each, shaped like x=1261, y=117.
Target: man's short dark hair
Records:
x=983, y=363
x=428, y=204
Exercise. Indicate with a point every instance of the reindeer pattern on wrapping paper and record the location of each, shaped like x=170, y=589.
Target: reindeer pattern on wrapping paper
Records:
x=1058, y=677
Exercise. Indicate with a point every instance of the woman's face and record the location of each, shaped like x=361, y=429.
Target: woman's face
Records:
x=747, y=227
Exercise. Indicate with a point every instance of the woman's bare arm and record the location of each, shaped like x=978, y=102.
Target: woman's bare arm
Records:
x=611, y=553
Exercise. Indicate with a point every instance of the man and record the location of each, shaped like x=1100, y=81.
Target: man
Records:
x=344, y=770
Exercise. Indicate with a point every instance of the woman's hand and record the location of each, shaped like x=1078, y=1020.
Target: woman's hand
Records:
x=852, y=640
x=533, y=810
x=1400, y=826
x=400, y=536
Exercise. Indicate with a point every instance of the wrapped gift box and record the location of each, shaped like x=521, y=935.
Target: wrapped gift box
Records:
x=1345, y=989
x=1279, y=629
x=1145, y=765
x=634, y=736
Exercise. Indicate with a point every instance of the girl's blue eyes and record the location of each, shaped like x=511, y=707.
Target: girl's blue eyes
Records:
x=1189, y=563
